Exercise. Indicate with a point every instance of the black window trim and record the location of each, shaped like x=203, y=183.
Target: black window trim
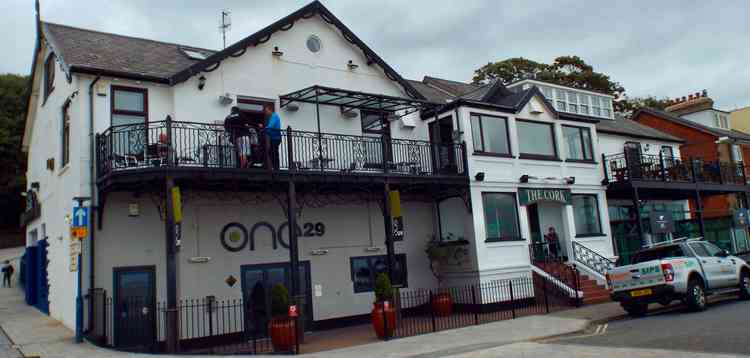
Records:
x=555, y=157
x=671, y=151
x=65, y=139
x=590, y=143
x=369, y=257
x=113, y=111
x=518, y=218
x=481, y=136
x=49, y=71
x=383, y=116
x=600, y=232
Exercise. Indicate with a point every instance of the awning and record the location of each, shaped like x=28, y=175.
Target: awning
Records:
x=347, y=99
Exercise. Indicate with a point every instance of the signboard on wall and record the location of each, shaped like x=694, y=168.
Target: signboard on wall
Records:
x=527, y=196
x=740, y=218
x=397, y=220
x=661, y=222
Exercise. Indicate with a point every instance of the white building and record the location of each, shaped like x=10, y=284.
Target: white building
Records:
x=486, y=170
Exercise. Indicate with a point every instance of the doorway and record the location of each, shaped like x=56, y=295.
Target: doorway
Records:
x=441, y=138
x=257, y=282
x=546, y=217
x=135, y=307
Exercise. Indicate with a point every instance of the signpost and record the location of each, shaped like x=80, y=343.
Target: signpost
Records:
x=79, y=230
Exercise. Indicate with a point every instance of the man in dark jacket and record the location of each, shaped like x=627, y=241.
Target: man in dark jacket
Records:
x=7, y=273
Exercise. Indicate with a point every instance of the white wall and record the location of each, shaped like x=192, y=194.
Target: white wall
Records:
x=610, y=144
x=704, y=117
x=349, y=230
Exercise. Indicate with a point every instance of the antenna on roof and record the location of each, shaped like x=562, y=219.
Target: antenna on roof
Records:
x=226, y=25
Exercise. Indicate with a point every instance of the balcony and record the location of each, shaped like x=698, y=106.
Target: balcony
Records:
x=659, y=171
x=188, y=147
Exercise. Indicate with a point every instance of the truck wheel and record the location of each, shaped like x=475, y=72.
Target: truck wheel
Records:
x=696, y=296
x=745, y=285
x=636, y=309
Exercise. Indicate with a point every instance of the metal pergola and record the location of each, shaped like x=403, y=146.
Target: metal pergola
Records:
x=348, y=99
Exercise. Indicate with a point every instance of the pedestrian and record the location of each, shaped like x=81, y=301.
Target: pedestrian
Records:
x=272, y=130
x=7, y=273
x=553, y=243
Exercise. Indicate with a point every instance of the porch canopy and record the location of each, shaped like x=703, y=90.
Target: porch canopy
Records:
x=348, y=100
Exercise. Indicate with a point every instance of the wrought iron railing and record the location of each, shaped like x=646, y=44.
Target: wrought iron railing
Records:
x=169, y=143
x=541, y=256
x=624, y=167
x=591, y=259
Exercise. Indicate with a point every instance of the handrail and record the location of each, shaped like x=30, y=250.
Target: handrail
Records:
x=622, y=167
x=592, y=259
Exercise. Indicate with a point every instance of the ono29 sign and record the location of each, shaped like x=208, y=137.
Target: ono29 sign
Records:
x=235, y=236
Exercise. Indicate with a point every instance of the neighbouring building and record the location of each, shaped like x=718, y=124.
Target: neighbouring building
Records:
x=739, y=119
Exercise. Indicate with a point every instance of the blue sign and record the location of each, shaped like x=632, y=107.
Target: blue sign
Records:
x=80, y=217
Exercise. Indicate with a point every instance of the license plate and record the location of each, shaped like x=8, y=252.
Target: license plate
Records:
x=639, y=293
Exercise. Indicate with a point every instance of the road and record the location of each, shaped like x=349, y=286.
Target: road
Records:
x=722, y=330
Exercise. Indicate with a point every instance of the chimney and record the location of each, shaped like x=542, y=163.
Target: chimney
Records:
x=693, y=102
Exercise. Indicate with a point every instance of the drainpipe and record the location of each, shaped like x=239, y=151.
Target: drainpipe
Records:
x=92, y=187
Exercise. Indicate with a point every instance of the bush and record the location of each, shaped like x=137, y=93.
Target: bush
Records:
x=383, y=288
x=279, y=300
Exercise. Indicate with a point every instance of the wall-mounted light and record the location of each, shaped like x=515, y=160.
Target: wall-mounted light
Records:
x=647, y=147
x=352, y=66
x=524, y=178
x=291, y=107
x=479, y=176
x=276, y=52
x=320, y=252
x=570, y=180
x=201, y=82
x=348, y=113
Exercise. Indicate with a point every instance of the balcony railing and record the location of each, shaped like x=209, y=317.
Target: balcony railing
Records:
x=198, y=145
x=625, y=167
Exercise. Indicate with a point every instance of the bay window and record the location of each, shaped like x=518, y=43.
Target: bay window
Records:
x=500, y=217
x=586, y=215
x=578, y=143
x=490, y=135
x=536, y=140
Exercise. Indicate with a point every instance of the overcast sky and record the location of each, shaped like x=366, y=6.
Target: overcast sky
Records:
x=660, y=48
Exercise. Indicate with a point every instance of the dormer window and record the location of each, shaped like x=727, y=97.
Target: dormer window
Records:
x=575, y=101
x=721, y=121
x=49, y=76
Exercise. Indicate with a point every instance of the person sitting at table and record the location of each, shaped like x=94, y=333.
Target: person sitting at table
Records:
x=239, y=134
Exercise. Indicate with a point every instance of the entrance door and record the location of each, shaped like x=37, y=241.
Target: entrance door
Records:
x=441, y=138
x=135, y=307
x=541, y=251
x=257, y=282
x=633, y=158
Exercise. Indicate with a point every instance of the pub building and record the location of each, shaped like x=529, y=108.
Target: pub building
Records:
x=188, y=215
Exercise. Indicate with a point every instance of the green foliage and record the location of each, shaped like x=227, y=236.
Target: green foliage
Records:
x=383, y=288
x=12, y=160
x=279, y=300
x=630, y=105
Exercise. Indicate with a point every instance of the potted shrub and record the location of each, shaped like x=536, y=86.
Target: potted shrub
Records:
x=442, y=302
x=383, y=309
x=281, y=326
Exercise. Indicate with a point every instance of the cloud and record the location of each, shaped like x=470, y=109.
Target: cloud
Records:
x=660, y=48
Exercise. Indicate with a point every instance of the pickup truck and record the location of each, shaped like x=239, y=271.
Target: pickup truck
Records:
x=686, y=270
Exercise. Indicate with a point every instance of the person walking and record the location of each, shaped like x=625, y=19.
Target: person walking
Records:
x=273, y=131
x=7, y=274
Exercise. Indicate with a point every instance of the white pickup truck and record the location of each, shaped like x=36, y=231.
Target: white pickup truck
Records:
x=688, y=271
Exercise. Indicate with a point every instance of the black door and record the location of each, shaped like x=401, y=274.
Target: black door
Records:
x=540, y=249
x=634, y=159
x=257, y=281
x=441, y=138
x=135, y=307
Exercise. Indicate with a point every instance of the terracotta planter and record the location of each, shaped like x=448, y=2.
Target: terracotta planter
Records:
x=283, y=334
x=442, y=304
x=377, y=319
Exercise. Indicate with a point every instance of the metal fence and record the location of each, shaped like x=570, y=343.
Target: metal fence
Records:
x=201, y=145
x=418, y=311
x=649, y=167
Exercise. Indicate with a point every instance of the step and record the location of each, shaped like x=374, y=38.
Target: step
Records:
x=592, y=301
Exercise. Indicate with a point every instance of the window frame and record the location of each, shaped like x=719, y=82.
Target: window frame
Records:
x=592, y=160
x=383, y=117
x=600, y=231
x=65, y=135
x=49, y=76
x=514, y=195
x=114, y=111
x=483, y=152
x=373, y=277
x=671, y=151
x=522, y=155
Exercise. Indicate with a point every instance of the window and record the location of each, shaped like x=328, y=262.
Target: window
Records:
x=572, y=102
x=660, y=253
x=374, y=122
x=586, y=215
x=585, y=103
x=596, y=106
x=699, y=249
x=500, y=216
x=578, y=142
x=65, y=142
x=49, y=76
x=720, y=120
x=313, y=43
x=606, y=107
x=712, y=249
x=561, y=104
x=666, y=152
x=547, y=92
x=536, y=140
x=736, y=153
x=129, y=105
x=490, y=134
x=366, y=268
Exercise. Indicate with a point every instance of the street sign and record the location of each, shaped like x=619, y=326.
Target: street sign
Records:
x=79, y=232
x=661, y=222
x=397, y=220
x=80, y=217
x=75, y=250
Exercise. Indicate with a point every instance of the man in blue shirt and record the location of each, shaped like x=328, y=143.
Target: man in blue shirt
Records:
x=273, y=131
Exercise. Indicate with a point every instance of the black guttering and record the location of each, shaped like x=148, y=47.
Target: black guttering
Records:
x=284, y=24
x=119, y=74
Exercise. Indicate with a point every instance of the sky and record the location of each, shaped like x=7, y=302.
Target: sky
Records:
x=658, y=48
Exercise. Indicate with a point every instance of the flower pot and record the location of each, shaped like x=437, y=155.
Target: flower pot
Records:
x=283, y=334
x=442, y=304
x=380, y=316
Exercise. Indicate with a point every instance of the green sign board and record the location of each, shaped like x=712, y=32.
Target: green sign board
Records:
x=528, y=196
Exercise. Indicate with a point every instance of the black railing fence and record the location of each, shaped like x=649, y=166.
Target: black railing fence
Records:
x=186, y=144
x=592, y=259
x=419, y=311
x=557, y=269
x=650, y=167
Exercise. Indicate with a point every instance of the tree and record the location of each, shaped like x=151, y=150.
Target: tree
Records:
x=12, y=160
x=631, y=105
x=570, y=71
